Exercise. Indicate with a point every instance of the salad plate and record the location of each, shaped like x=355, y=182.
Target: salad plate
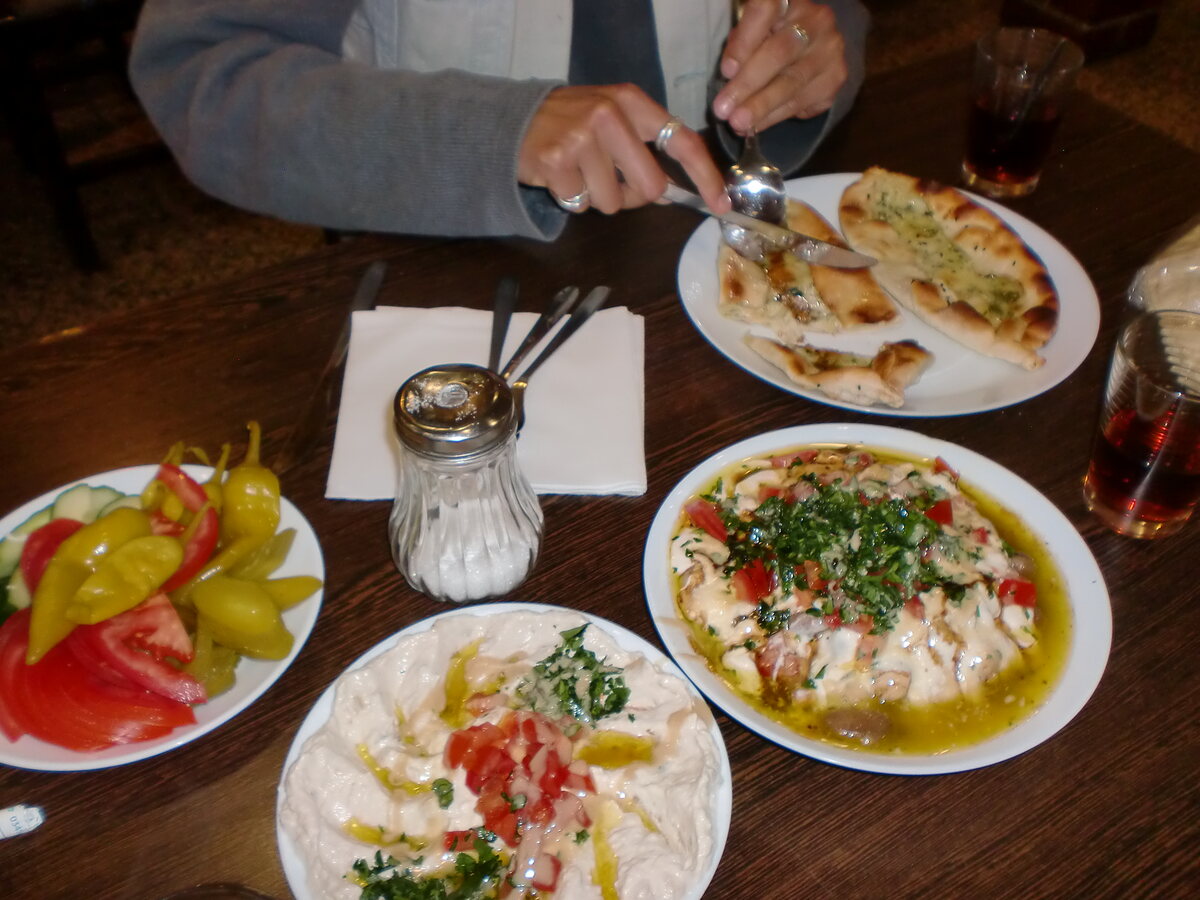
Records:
x=253, y=676
x=1090, y=617
x=721, y=804
x=958, y=381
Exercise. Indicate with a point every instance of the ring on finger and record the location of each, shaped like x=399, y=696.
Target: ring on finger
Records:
x=783, y=7
x=802, y=35
x=575, y=204
x=667, y=132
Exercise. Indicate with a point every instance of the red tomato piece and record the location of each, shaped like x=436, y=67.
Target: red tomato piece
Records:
x=183, y=486
x=1018, y=592
x=545, y=872
x=60, y=702
x=200, y=542
x=804, y=456
x=136, y=643
x=459, y=841
x=941, y=512
x=489, y=762
x=812, y=575
x=165, y=525
x=752, y=583
x=980, y=534
x=704, y=514
x=41, y=545
x=940, y=465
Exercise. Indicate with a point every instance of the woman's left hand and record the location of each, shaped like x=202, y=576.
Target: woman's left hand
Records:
x=782, y=60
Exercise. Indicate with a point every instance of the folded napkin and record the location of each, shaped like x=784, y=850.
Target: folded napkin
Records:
x=583, y=431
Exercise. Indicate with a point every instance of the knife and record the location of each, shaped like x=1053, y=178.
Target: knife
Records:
x=308, y=428
x=809, y=249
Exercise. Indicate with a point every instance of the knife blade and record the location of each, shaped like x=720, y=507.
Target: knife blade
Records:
x=311, y=422
x=809, y=249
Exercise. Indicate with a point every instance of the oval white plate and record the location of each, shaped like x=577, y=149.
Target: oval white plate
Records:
x=958, y=381
x=254, y=676
x=1088, y=597
x=293, y=863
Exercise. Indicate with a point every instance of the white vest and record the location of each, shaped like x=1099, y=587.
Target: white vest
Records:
x=531, y=39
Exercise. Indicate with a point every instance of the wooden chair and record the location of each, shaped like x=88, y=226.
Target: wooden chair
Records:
x=29, y=28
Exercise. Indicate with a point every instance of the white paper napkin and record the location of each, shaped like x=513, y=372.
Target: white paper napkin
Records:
x=584, y=427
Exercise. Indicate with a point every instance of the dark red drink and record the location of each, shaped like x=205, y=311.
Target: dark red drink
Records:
x=1144, y=476
x=1007, y=148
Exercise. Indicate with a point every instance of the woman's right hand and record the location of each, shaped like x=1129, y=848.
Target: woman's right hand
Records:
x=591, y=140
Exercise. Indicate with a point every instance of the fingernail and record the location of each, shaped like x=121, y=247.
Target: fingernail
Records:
x=722, y=106
x=739, y=121
x=729, y=67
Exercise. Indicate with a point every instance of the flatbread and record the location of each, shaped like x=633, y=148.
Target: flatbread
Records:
x=787, y=295
x=850, y=377
x=954, y=263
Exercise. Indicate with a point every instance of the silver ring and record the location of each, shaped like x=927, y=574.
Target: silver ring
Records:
x=802, y=34
x=575, y=204
x=667, y=132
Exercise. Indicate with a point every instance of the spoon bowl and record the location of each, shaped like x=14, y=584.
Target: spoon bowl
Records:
x=755, y=188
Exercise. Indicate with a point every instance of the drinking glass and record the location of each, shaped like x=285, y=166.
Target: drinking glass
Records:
x=1144, y=477
x=1021, y=79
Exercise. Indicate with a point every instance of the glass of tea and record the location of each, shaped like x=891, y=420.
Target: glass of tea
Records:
x=1022, y=77
x=1144, y=477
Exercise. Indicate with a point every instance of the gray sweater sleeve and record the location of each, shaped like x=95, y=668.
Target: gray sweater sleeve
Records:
x=260, y=109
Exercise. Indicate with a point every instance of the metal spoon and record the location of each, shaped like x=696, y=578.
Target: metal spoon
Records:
x=559, y=306
x=755, y=188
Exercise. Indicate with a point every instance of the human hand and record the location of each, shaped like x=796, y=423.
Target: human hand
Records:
x=783, y=60
x=589, y=143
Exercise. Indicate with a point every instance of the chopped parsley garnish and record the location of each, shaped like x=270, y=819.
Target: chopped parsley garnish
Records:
x=571, y=681
x=871, y=550
x=476, y=876
x=444, y=791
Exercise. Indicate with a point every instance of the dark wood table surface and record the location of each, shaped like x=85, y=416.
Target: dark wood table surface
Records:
x=1106, y=808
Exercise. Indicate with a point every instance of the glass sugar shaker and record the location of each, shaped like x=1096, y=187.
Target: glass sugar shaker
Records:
x=466, y=525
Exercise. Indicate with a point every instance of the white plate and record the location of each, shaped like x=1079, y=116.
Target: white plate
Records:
x=1090, y=611
x=958, y=381
x=293, y=863
x=254, y=676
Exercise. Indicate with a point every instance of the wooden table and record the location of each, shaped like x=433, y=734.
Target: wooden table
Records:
x=1108, y=807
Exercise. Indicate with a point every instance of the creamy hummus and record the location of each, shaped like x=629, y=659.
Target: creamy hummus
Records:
x=389, y=727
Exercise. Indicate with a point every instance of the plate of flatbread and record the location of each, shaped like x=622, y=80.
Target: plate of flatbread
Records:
x=971, y=307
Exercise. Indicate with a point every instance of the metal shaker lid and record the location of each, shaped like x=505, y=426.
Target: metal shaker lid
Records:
x=454, y=410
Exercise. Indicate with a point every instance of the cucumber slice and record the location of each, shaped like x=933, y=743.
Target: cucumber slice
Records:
x=101, y=498
x=10, y=553
x=11, y=546
x=133, y=501
x=73, y=503
x=18, y=592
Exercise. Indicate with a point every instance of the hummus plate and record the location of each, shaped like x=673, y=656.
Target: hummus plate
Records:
x=342, y=725
x=254, y=676
x=1091, y=617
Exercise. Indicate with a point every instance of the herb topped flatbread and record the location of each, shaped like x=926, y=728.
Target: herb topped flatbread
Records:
x=953, y=263
x=790, y=297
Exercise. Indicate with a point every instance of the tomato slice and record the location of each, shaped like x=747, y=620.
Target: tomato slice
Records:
x=1018, y=592
x=183, y=486
x=59, y=701
x=136, y=643
x=200, y=542
x=41, y=545
x=941, y=512
x=704, y=514
x=752, y=583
